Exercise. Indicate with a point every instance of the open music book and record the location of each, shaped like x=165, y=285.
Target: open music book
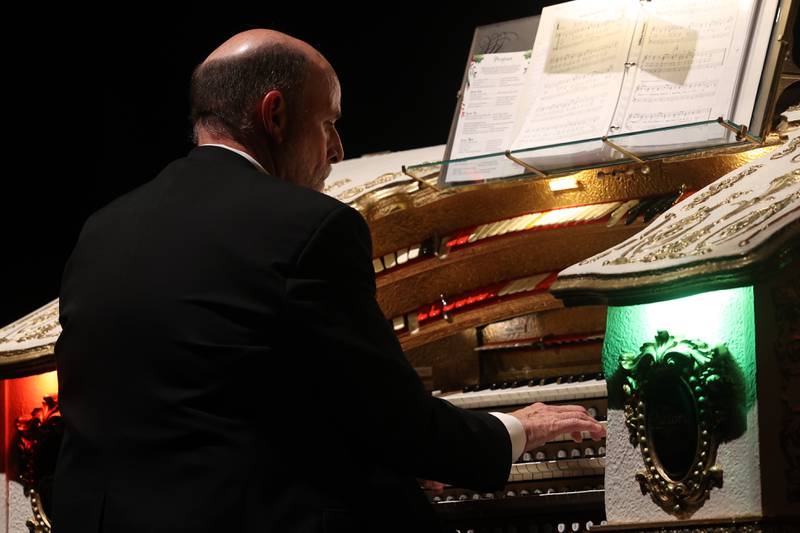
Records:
x=613, y=67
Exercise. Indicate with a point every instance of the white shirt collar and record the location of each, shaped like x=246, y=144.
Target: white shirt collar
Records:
x=243, y=154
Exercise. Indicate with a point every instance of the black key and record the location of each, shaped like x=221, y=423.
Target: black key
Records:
x=428, y=247
x=657, y=208
x=639, y=208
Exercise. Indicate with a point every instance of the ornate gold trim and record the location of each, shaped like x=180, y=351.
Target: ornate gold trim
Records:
x=727, y=272
x=710, y=376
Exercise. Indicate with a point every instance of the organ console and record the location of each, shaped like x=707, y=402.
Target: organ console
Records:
x=465, y=276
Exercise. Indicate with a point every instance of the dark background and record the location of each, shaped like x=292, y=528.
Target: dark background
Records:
x=97, y=103
x=104, y=105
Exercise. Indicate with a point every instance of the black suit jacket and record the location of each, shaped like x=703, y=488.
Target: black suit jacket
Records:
x=224, y=367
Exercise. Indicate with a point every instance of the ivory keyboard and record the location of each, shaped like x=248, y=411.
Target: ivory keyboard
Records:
x=526, y=392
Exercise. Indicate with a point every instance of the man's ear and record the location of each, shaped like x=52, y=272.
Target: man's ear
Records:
x=273, y=115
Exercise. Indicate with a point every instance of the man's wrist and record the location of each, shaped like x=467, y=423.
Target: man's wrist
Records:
x=516, y=433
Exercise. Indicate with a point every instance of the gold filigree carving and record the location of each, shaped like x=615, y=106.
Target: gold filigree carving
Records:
x=721, y=186
x=707, y=412
x=695, y=236
x=790, y=147
x=36, y=326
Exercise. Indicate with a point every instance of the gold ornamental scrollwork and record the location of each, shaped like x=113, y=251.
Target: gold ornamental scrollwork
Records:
x=697, y=234
x=708, y=385
x=790, y=147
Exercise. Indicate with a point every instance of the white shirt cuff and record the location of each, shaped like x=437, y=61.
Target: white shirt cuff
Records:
x=515, y=432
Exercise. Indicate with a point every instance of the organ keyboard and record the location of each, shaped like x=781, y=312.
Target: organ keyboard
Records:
x=532, y=391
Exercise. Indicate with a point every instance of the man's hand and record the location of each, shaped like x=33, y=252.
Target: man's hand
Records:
x=543, y=423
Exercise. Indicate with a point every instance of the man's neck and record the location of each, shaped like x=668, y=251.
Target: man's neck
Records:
x=205, y=137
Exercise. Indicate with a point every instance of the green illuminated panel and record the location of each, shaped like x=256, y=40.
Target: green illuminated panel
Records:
x=717, y=317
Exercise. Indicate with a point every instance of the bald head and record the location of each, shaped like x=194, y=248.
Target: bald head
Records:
x=275, y=97
x=247, y=41
x=227, y=85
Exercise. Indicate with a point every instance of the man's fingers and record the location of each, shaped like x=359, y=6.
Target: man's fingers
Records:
x=577, y=424
x=567, y=408
x=597, y=435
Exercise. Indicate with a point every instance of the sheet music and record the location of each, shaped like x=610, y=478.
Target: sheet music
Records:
x=353, y=178
x=488, y=116
x=616, y=67
x=689, y=54
x=489, y=107
x=576, y=71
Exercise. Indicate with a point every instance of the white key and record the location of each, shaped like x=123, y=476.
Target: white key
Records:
x=519, y=394
x=516, y=222
x=491, y=229
x=398, y=323
x=534, y=218
x=582, y=213
x=377, y=264
x=389, y=260
x=621, y=211
x=527, y=395
x=607, y=208
x=413, y=252
x=598, y=211
x=402, y=256
x=519, y=223
x=508, y=288
x=532, y=281
x=503, y=228
x=482, y=230
x=543, y=220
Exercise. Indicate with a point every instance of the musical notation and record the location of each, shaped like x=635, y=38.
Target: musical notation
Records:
x=656, y=91
x=662, y=33
x=683, y=61
x=660, y=117
x=687, y=63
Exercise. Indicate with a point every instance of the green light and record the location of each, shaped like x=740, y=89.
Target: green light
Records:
x=716, y=317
